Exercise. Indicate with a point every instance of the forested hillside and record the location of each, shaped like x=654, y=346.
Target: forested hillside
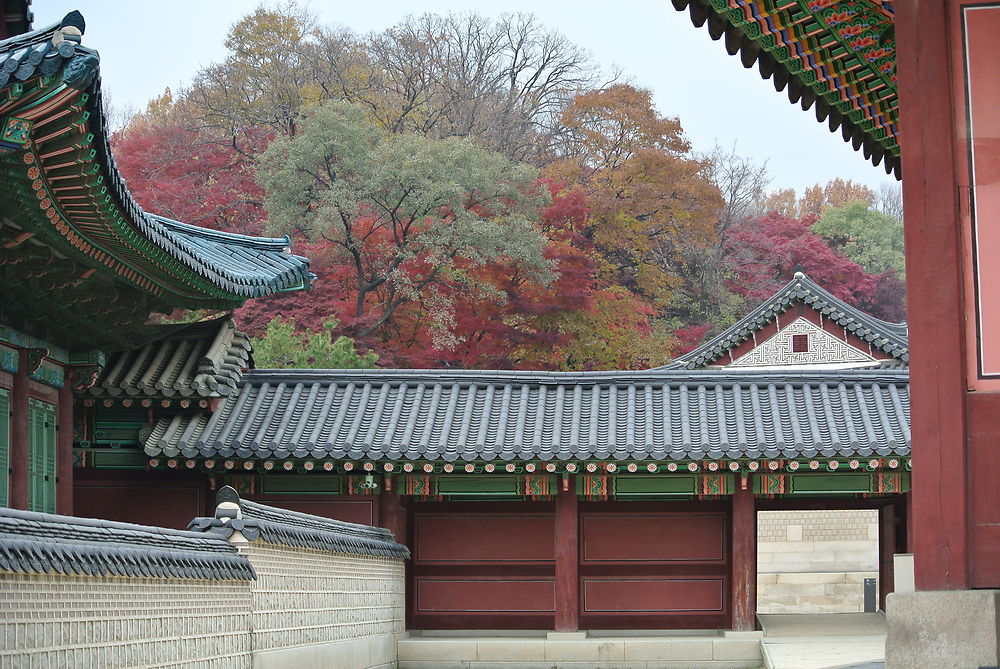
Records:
x=476, y=192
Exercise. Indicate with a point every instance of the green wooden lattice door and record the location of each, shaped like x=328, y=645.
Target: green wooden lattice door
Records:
x=41, y=456
x=4, y=447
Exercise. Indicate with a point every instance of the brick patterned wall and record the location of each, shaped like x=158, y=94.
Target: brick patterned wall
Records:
x=852, y=525
x=815, y=561
x=51, y=620
x=304, y=596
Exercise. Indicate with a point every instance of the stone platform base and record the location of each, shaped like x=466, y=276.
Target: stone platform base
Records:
x=621, y=650
x=943, y=629
x=370, y=652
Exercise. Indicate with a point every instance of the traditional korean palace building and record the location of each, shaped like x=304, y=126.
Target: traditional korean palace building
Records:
x=530, y=500
x=535, y=500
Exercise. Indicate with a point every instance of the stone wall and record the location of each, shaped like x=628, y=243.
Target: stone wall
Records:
x=815, y=561
x=283, y=590
x=53, y=620
x=313, y=608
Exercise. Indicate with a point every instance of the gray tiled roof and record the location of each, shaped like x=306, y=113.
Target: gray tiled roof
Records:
x=241, y=265
x=247, y=266
x=890, y=338
x=485, y=415
x=43, y=543
x=198, y=360
x=302, y=530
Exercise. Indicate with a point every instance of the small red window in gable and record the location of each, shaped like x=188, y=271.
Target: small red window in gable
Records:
x=800, y=343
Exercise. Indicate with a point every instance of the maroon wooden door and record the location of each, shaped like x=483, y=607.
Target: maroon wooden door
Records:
x=485, y=565
x=651, y=565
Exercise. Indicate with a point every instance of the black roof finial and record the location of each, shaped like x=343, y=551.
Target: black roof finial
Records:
x=75, y=19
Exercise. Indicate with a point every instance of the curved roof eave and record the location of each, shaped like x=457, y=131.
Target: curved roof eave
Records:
x=884, y=151
x=230, y=267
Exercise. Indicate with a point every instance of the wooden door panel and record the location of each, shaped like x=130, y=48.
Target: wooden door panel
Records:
x=652, y=595
x=482, y=538
x=651, y=537
x=483, y=565
x=654, y=565
x=485, y=595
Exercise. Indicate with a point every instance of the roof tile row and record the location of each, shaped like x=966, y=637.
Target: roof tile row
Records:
x=44, y=543
x=450, y=416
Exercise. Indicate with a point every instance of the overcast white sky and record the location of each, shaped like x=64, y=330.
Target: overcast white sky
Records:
x=146, y=46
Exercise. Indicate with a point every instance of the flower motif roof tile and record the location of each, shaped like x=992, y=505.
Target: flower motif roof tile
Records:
x=487, y=415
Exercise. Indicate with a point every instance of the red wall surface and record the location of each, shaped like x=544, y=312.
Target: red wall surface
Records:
x=483, y=565
x=952, y=307
x=164, y=499
x=651, y=565
x=640, y=565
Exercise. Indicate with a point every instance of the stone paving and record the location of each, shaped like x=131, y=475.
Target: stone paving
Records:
x=824, y=641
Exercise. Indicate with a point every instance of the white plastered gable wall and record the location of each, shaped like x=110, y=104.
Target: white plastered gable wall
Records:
x=824, y=350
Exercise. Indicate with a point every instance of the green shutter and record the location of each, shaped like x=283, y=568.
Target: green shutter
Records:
x=4, y=447
x=41, y=456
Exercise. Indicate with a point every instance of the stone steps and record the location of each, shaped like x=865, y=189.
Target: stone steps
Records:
x=716, y=650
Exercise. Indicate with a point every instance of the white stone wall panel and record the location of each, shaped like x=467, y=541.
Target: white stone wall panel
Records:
x=305, y=596
x=51, y=620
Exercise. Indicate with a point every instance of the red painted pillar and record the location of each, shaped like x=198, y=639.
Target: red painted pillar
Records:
x=567, y=559
x=392, y=514
x=744, y=542
x=19, y=436
x=886, y=549
x=64, y=449
x=935, y=297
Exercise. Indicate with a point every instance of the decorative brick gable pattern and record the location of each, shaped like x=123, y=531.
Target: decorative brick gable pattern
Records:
x=820, y=347
x=891, y=339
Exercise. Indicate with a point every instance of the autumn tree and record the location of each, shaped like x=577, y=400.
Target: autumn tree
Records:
x=889, y=199
x=650, y=199
x=409, y=215
x=184, y=173
x=267, y=77
x=282, y=347
x=502, y=82
x=835, y=193
x=816, y=199
x=764, y=253
x=704, y=299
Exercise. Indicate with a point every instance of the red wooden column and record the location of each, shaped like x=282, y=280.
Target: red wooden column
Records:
x=392, y=513
x=19, y=435
x=935, y=298
x=886, y=549
x=744, y=559
x=64, y=449
x=567, y=559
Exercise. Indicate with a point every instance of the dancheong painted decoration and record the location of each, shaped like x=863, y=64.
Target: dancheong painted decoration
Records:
x=838, y=56
x=72, y=233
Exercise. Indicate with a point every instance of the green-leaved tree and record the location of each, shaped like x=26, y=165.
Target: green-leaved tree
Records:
x=412, y=217
x=282, y=347
x=870, y=238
